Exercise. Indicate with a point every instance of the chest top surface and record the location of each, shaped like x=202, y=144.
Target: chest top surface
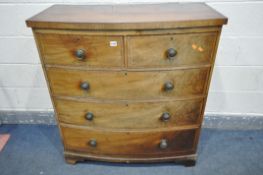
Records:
x=129, y=16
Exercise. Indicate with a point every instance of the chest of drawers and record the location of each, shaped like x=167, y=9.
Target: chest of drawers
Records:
x=128, y=83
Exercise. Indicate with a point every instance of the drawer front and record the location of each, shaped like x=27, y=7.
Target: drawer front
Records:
x=128, y=85
x=82, y=50
x=129, y=144
x=129, y=115
x=171, y=50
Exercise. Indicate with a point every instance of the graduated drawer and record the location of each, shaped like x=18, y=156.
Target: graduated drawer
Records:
x=128, y=85
x=171, y=50
x=81, y=50
x=128, y=144
x=140, y=115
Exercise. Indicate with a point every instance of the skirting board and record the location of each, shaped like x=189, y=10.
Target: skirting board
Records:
x=211, y=120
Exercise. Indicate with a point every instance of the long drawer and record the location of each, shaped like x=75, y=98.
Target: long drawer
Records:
x=128, y=85
x=141, y=115
x=81, y=50
x=171, y=50
x=129, y=144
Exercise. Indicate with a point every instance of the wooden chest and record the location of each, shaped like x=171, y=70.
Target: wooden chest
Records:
x=128, y=83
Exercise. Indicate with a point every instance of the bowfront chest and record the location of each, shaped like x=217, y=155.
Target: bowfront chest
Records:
x=128, y=83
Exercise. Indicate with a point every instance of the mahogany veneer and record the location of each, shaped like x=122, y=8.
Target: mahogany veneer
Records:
x=129, y=83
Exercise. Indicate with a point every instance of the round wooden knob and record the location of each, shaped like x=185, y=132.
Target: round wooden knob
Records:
x=165, y=116
x=163, y=144
x=89, y=116
x=171, y=53
x=93, y=143
x=80, y=54
x=84, y=86
x=168, y=86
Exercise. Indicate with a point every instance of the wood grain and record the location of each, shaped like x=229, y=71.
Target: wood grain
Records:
x=126, y=94
x=128, y=144
x=129, y=16
x=128, y=85
x=130, y=116
x=151, y=51
x=60, y=49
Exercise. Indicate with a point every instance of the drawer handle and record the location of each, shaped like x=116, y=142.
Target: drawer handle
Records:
x=80, y=54
x=163, y=144
x=89, y=116
x=165, y=116
x=93, y=143
x=84, y=86
x=168, y=86
x=171, y=53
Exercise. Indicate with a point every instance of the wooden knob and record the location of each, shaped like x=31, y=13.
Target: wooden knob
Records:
x=163, y=144
x=93, y=143
x=84, y=86
x=80, y=54
x=165, y=116
x=168, y=86
x=171, y=53
x=89, y=116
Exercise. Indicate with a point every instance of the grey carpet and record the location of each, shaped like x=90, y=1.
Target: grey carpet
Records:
x=37, y=150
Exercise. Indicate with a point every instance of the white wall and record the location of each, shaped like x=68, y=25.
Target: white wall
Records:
x=237, y=84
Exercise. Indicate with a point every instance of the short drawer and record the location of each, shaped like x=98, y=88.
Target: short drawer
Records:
x=81, y=50
x=141, y=115
x=128, y=85
x=171, y=50
x=129, y=144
